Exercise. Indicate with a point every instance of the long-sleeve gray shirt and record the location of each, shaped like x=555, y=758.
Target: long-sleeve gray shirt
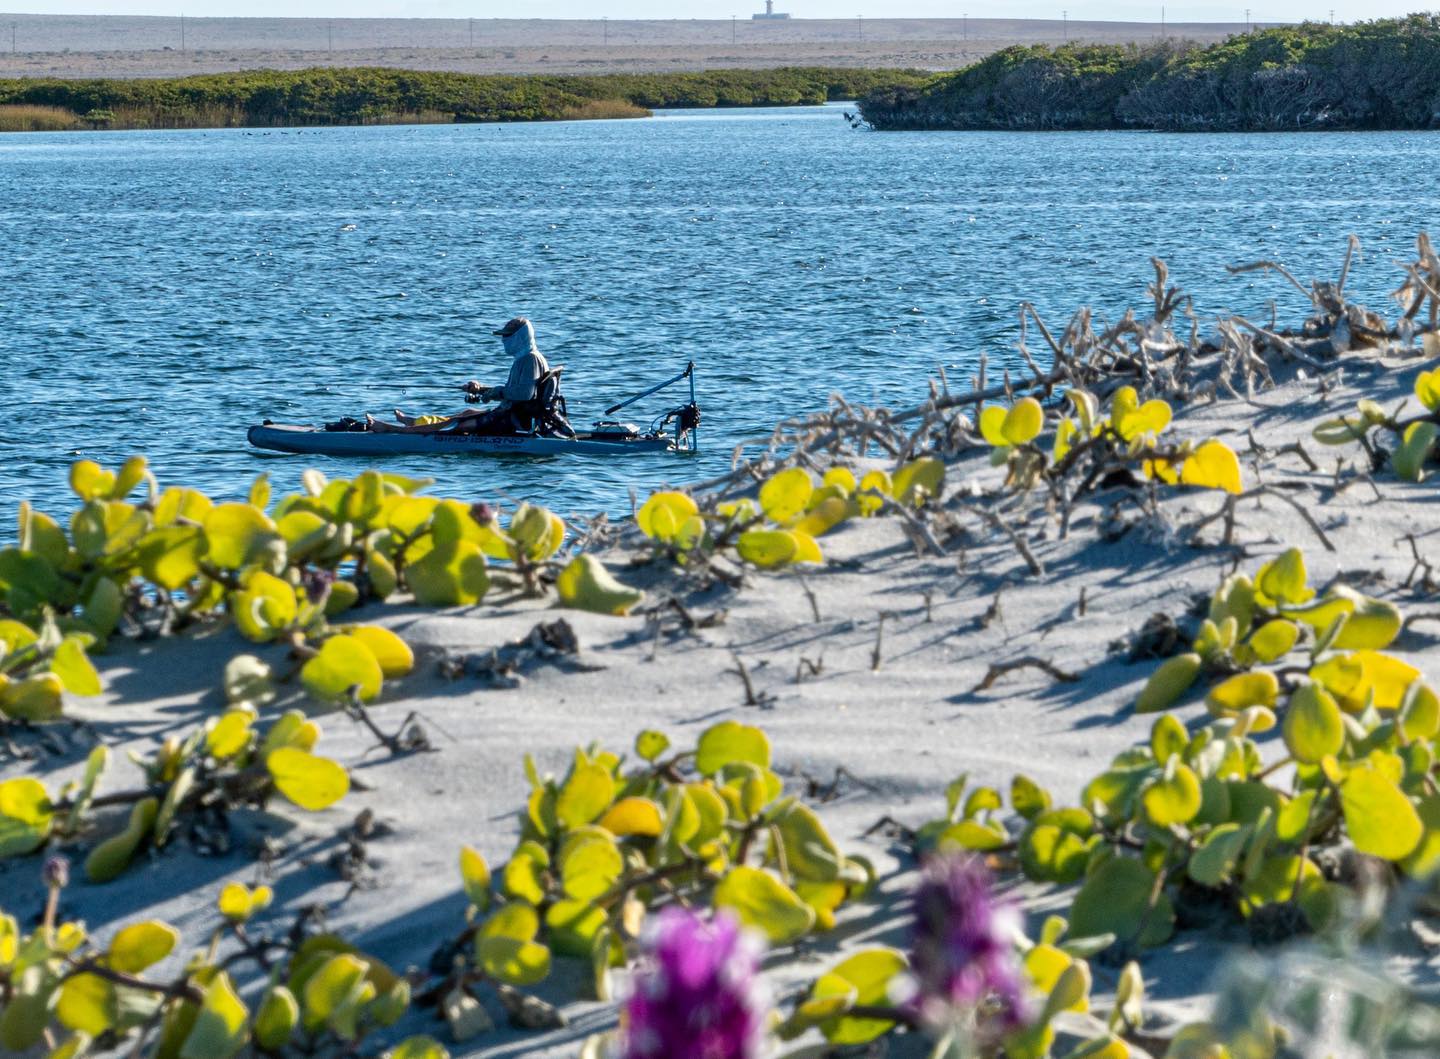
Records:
x=525, y=374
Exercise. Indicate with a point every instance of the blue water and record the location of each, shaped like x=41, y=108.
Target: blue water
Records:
x=161, y=291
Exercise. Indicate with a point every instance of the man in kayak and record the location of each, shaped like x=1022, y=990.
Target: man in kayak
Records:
x=515, y=397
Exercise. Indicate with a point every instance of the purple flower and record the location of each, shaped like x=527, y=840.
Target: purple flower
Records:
x=696, y=995
x=963, y=951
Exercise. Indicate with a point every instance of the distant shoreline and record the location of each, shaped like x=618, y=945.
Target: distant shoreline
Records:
x=1382, y=75
x=377, y=96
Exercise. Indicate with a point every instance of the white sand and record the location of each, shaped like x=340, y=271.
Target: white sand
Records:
x=902, y=731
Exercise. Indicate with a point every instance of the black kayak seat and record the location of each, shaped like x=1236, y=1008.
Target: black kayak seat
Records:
x=547, y=414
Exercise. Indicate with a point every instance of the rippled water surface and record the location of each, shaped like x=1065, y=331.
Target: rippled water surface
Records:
x=161, y=291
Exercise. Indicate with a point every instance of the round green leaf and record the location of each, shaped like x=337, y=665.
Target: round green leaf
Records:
x=650, y=744
x=74, y=668
x=1274, y=639
x=1241, y=691
x=86, y=1004
x=394, y=654
x=810, y=852
x=505, y=948
x=762, y=901
x=309, y=781
x=767, y=548
x=521, y=877
x=1213, y=861
x=36, y=698
x=918, y=480
x=585, y=584
x=344, y=662
x=263, y=607
x=1114, y=899
x=587, y=793
x=1313, y=726
x=277, y=1018
x=475, y=876
x=1380, y=819
x=868, y=976
x=233, y=533
x=453, y=573
x=1168, y=683
x=26, y=815
x=785, y=494
x=590, y=865
x=1174, y=798
x=335, y=992
x=141, y=945
x=661, y=516
x=729, y=742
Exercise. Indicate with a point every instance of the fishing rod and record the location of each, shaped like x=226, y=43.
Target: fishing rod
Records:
x=688, y=373
x=688, y=416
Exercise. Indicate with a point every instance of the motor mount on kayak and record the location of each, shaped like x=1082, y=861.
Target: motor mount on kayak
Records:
x=674, y=430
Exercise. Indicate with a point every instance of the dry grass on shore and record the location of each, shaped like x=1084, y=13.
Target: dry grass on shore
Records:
x=601, y=109
x=30, y=118
x=26, y=118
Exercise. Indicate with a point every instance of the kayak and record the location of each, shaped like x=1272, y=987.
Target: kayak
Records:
x=350, y=436
x=281, y=437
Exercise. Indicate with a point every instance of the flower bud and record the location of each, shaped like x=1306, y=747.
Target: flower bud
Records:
x=55, y=873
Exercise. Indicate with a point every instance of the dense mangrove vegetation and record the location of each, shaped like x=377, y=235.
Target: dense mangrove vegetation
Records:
x=372, y=95
x=1374, y=75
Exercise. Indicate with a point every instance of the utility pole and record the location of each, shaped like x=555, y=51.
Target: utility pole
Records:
x=1247, y=20
x=330, y=36
x=12, y=37
x=1162, y=21
x=1065, y=23
x=1332, y=16
x=965, y=26
x=860, y=27
x=182, y=34
x=605, y=27
x=732, y=28
x=472, y=33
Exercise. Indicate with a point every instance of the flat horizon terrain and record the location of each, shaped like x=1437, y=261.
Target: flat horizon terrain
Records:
x=77, y=46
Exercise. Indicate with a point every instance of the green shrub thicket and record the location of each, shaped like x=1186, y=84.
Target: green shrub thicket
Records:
x=369, y=95
x=1383, y=74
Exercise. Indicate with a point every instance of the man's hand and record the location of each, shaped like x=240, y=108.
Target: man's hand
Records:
x=476, y=392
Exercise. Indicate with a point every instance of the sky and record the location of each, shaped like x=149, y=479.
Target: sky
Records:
x=1102, y=10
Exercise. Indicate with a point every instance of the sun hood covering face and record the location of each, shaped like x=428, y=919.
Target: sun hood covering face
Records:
x=521, y=342
x=527, y=367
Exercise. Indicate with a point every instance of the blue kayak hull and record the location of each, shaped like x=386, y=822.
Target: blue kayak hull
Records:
x=280, y=437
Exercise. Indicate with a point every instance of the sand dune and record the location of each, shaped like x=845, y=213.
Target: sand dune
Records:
x=126, y=46
x=900, y=714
